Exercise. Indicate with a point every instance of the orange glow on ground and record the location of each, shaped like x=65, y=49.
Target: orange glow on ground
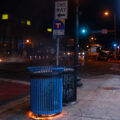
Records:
x=1, y=60
x=49, y=117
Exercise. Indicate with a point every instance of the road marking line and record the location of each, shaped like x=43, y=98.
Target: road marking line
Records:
x=11, y=106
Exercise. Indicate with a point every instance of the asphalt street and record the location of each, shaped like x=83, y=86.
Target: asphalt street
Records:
x=18, y=71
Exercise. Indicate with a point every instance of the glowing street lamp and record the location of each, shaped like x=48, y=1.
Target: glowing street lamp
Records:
x=92, y=38
x=107, y=13
x=27, y=41
x=118, y=49
x=83, y=31
x=115, y=47
x=76, y=63
x=87, y=46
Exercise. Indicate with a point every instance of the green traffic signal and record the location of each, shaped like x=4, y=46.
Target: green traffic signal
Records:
x=83, y=31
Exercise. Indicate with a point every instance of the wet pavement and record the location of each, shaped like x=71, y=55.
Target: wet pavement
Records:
x=94, y=102
x=98, y=99
x=18, y=71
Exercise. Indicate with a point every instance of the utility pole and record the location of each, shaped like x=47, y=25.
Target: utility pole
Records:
x=115, y=49
x=76, y=63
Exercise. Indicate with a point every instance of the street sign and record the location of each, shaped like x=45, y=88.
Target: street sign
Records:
x=61, y=9
x=104, y=31
x=58, y=29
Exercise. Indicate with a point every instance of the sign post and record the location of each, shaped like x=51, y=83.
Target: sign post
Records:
x=58, y=32
x=57, y=59
x=61, y=10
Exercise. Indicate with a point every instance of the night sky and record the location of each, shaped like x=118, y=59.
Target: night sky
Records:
x=41, y=12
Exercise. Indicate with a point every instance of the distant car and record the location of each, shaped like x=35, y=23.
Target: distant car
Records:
x=118, y=57
x=103, y=56
x=82, y=53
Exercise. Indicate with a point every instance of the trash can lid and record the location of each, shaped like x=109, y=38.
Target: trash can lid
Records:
x=45, y=69
x=69, y=70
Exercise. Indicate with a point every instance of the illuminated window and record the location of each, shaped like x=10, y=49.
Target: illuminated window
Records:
x=49, y=29
x=28, y=22
x=4, y=16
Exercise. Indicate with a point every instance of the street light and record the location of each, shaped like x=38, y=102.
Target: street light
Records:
x=27, y=41
x=87, y=46
x=118, y=49
x=115, y=47
x=107, y=13
x=92, y=39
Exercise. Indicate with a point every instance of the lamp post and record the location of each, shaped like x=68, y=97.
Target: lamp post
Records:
x=107, y=13
x=115, y=54
x=115, y=50
x=118, y=49
x=77, y=77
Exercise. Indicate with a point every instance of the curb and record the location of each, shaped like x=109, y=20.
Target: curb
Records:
x=15, y=81
x=6, y=107
x=13, y=104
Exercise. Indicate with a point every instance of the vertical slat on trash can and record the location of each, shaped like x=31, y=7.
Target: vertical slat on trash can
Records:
x=46, y=90
x=60, y=88
x=31, y=90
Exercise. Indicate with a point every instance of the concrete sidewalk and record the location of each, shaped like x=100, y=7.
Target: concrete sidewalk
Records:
x=98, y=99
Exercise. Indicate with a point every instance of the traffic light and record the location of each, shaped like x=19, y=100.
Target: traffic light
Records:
x=83, y=31
x=115, y=45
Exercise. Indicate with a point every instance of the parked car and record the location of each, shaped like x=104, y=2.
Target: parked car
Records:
x=104, y=55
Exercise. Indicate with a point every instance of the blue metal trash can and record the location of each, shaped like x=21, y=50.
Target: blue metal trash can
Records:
x=46, y=90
